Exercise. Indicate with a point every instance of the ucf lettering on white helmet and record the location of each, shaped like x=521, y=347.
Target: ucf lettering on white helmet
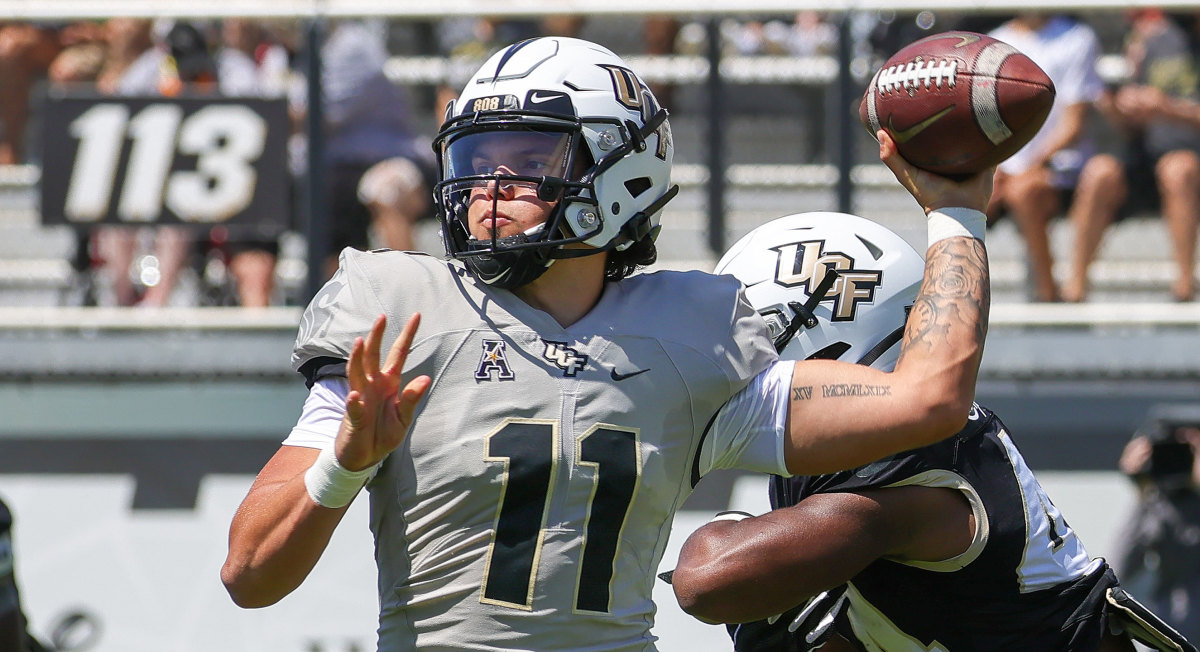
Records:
x=830, y=285
x=613, y=178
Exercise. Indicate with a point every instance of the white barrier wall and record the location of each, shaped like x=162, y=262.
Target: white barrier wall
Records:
x=149, y=579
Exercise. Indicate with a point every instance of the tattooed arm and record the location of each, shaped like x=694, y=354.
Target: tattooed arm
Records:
x=843, y=415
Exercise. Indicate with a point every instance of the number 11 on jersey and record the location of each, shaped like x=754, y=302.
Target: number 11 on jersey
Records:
x=528, y=448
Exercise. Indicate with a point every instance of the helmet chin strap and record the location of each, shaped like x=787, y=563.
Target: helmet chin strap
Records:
x=509, y=269
x=512, y=268
x=803, y=315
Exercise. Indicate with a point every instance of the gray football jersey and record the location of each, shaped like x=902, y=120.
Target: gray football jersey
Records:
x=532, y=500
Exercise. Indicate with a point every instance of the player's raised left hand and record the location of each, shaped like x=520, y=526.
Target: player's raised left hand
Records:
x=378, y=412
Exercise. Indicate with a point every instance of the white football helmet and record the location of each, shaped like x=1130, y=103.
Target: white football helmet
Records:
x=856, y=315
x=605, y=157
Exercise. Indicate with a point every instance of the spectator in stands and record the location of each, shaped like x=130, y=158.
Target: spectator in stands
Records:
x=562, y=25
x=1032, y=184
x=659, y=34
x=78, y=63
x=127, y=45
x=1159, y=553
x=467, y=42
x=250, y=63
x=101, y=61
x=477, y=38
x=367, y=122
x=26, y=50
x=810, y=35
x=1160, y=169
x=738, y=38
x=83, y=51
x=180, y=60
x=184, y=62
x=887, y=31
x=806, y=34
x=395, y=192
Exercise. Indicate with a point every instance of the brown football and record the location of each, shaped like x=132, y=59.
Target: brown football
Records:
x=958, y=102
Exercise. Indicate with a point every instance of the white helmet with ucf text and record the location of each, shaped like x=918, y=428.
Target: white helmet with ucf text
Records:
x=830, y=286
x=605, y=155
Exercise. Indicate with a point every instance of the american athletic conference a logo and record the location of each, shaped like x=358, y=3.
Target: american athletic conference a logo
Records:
x=806, y=263
x=494, y=361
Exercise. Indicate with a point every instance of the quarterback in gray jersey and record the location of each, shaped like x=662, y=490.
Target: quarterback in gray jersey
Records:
x=528, y=414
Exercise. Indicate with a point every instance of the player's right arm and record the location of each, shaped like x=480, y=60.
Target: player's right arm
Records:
x=278, y=532
x=843, y=415
x=281, y=528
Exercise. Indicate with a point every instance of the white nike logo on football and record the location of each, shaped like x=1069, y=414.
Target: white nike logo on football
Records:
x=538, y=99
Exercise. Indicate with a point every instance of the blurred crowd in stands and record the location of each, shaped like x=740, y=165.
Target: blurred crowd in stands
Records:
x=1117, y=145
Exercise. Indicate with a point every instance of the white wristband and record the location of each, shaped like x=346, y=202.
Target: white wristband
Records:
x=956, y=222
x=731, y=515
x=330, y=484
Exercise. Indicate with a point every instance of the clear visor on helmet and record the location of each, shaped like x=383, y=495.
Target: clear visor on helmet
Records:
x=519, y=154
x=482, y=167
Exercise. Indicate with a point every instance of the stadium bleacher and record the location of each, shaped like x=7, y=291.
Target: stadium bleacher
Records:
x=1133, y=266
x=779, y=164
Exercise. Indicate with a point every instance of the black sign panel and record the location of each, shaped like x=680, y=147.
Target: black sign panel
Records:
x=154, y=160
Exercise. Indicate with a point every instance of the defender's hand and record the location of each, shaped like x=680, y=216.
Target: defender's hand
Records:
x=934, y=191
x=378, y=413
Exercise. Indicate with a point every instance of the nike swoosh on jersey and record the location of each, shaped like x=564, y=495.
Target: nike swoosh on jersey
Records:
x=618, y=376
x=902, y=136
x=538, y=99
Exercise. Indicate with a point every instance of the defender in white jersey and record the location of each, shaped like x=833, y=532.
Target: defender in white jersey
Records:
x=526, y=450
x=954, y=546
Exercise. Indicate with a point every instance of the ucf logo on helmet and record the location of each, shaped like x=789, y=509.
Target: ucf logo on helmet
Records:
x=806, y=263
x=633, y=95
